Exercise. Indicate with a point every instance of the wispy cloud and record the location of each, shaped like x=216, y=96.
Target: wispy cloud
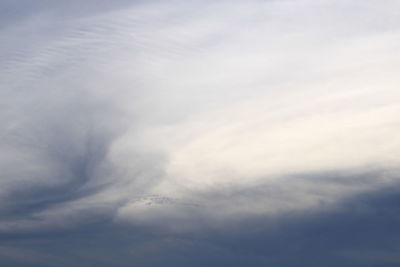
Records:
x=186, y=118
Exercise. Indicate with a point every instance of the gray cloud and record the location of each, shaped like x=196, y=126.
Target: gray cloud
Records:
x=361, y=231
x=136, y=132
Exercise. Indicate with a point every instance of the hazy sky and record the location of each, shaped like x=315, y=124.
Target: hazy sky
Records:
x=199, y=133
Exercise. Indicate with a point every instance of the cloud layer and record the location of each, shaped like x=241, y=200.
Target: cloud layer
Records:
x=175, y=127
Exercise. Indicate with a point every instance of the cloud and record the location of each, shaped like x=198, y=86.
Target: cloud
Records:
x=179, y=119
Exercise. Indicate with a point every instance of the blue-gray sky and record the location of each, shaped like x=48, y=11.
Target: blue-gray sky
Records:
x=199, y=133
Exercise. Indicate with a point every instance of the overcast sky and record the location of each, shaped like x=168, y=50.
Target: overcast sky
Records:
x=199, y=133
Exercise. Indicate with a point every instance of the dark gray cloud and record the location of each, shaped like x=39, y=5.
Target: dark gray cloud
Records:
x=360, y=231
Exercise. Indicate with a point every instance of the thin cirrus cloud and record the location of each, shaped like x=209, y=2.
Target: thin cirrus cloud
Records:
x=186, y=117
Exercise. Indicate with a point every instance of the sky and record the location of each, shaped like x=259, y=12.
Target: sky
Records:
x=199, y=133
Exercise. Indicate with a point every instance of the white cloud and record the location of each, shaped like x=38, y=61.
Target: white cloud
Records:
x=197, y=101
